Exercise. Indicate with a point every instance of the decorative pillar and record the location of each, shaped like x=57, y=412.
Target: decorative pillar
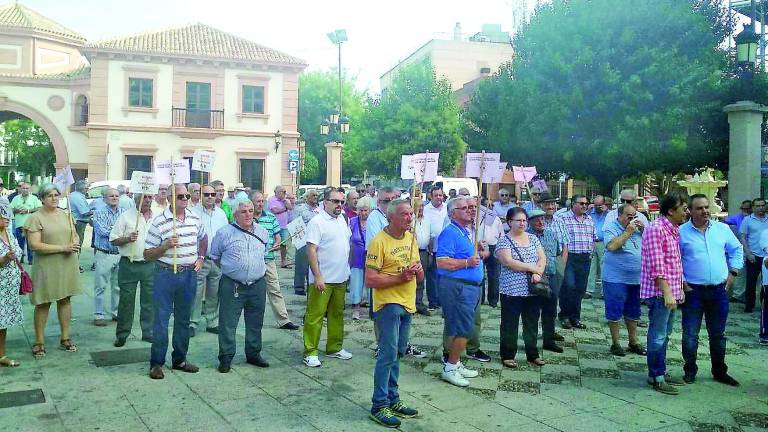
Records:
x=333, y=163
x=745, y=119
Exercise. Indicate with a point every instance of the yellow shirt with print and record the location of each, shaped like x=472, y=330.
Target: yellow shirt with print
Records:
x=390, y=255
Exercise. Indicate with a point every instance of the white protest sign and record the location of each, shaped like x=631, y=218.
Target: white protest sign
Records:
x=475, y=160
x=179, y=171
x=524, y=173
x=297, y=231
x=202, y=160
x=143, y=183
x=406, y=169
x=420, y=167
x=64, y=178
x=491, y=175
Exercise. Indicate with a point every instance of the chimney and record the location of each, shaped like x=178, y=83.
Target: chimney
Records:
x=457, y=32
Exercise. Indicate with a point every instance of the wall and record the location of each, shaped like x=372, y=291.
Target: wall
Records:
x=272, y=119
x=15, y=55
x=118, y=111
x=53, y=57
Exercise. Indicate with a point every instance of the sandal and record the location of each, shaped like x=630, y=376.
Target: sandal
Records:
x=6, y=362
x=510, y=363
x=538, y=361
x=67, y=345
x=38, y=350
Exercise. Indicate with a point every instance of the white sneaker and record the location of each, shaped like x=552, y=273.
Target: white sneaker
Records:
x=466, y=373
x=343, y=354
x=454, y=377
x=312, y=361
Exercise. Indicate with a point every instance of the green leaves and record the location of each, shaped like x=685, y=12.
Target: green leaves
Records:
x=30, y=143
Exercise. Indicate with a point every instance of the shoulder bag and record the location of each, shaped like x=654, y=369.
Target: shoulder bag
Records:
x=539, y=289
x=26, y=281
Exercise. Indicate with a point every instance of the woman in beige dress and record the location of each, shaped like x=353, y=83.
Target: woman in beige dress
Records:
x=55, y=273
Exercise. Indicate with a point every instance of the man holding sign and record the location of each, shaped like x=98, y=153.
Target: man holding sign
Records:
x=174, y=240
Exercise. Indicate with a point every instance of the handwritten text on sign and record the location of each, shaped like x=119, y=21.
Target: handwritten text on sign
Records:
x=203, y=160
x=475, y=160
x=524, y=173
x=179, y=171
x=298, y=232
x=419, y=167
x=143, y=183
x=491, y=175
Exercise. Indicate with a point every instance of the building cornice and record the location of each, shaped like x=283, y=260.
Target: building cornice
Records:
x=190, y=132
x=109, y=54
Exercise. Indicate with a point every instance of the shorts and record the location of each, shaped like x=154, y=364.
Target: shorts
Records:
x=621, y=300
x=458, y=300
x=283, y=235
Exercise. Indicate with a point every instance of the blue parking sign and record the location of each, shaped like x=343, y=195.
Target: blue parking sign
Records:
x=293, y=165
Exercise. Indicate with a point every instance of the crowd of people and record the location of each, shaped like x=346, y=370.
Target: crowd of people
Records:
x=213, y=257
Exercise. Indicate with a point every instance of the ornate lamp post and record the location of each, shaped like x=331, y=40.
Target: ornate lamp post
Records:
x=746, y=50
x=336, y=124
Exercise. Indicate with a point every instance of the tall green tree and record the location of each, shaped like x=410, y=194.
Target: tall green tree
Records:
x=607, y=88
x=318, y=97
x=418, y=112
x=31, y=145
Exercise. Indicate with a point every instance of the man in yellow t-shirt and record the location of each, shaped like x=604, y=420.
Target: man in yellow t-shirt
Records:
x=392, y=270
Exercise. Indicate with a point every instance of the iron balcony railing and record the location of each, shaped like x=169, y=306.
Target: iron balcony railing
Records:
x=198, y=118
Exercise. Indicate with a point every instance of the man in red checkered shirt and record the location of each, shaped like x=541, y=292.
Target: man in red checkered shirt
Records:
x=661, y=284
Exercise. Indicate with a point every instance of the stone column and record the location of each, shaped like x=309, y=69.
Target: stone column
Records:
x=333, y=163
x=745, y=119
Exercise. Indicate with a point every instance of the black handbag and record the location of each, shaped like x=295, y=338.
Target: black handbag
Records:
x=540, y=288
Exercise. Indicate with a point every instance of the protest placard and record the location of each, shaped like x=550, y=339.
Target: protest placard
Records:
x=202, y=160
x=420, y=167
x=143, y=183
x=63, y=179
x=524, y=174
x=491, y=175
x=179, y=171
x=540, y=185
x=475, y=160
x=297, y=231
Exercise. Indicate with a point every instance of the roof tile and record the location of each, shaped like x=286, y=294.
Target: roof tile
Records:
x=16, y=16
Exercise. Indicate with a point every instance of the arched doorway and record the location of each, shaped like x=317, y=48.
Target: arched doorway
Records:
x=10, y=110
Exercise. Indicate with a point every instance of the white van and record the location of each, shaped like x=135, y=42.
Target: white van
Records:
x=457, y=183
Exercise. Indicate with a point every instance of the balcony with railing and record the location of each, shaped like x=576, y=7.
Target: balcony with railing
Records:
x=198, y=118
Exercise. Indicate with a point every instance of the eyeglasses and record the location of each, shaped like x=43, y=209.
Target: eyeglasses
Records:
x=337, y=201
x=520, y=220
x=472, y=207
x=746, y=208
x=581, y=203
x=633, y=216
x=627, y=201
x=503, y=194
x=52, y=196
x=535, y=194
x=461, y=208
x=209, y=194
x=183, y=197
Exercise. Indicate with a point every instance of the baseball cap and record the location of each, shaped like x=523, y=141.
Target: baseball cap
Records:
x=535, y=213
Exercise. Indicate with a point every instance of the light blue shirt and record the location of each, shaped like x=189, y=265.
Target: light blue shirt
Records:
x=126, y=202
x=79, y=206
x=212, y=222
x=623, y=264
x=502, y=209
x=456, y=242
x=240, y=255
x=599, y=220
x=752, y=227
x=376, y=222
x=103, y=221
x=708, y=256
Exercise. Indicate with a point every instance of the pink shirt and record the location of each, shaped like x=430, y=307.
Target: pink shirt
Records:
x=660, y=258
x=282, y=211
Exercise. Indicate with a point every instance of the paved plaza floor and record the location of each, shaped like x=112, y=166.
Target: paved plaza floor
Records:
x=583, y=389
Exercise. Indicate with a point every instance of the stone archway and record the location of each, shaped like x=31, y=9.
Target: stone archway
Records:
x=57, y=140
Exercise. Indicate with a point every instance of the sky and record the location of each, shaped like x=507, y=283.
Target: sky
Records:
x=381, y=33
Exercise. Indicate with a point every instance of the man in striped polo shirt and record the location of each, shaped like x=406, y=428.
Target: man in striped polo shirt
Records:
x=174, y=291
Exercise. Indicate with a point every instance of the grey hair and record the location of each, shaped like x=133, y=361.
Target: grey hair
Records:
x=279, y=187
x=253, y=194
x=628, y=192
x=110, y=189
x=393, y=205
x=503, y=190
x=366, y=202
x=350, y=193
x=386, y=189
x=122, y=189
x=453, y=202
x=45, y=189
x=215, y=183
x=81, y=185
x=622, y=208
x=239, y=202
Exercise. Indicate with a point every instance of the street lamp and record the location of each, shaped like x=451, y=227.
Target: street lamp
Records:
x=278, y=139
x=746, y=47
x=336, y=124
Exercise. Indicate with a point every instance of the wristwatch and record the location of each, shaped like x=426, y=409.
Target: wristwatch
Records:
x=733, y=273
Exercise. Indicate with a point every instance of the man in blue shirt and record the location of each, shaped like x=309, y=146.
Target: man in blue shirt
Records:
x=595, y=282
x=621, y=277
x=749, y=234
x=460, y=269
x=734, y=221
x=712, y=257
x=81, y=213
x=107, y=257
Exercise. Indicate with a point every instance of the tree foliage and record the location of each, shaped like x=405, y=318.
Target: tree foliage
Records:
x=31, y=145
x=318, y=97
x=607, y=88
x=417, y=113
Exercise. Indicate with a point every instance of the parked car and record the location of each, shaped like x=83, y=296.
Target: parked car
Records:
x=96, y=189
x=653, y=202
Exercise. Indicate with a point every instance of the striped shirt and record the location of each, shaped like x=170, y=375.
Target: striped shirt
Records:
x=190, y=232
x=103, y=221
x=269, y=222
x=660, y=258
x=581, y=232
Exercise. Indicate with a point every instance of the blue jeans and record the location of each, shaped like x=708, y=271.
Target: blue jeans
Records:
x=660, y=322
x=574, y=286
x=19, y=233
x=433, y=298
x=250, y=303
x=394, y=324
x=711, y=303
x=172, y=292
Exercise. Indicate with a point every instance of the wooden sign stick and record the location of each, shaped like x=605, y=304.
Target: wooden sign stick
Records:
x=479, y=190
x=70, y=219
x=173, y=210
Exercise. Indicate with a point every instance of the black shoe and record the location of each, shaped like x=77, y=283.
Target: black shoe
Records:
x=81, y=270
x=214, y=330
x=114, y=319
x=726, y=379
x=258, y=361
x=119, y=343
x=749, y=310
x=147, y=339
x=424, y=312
x=191, y=332
x=617, y=350
x=480, y=356
x=566, y=324
x=224, y=369
x=493, y=305
x=287, y=326
x=689, y=378
x=642, y=324
x=579, y=325
x=558, y=337
x=299, y=292
x=637, y=349
x=587, y=296
x=186, y=367
x=553, y=347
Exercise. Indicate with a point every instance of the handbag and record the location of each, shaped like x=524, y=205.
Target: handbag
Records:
x=540, y=288
x=26, y=281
